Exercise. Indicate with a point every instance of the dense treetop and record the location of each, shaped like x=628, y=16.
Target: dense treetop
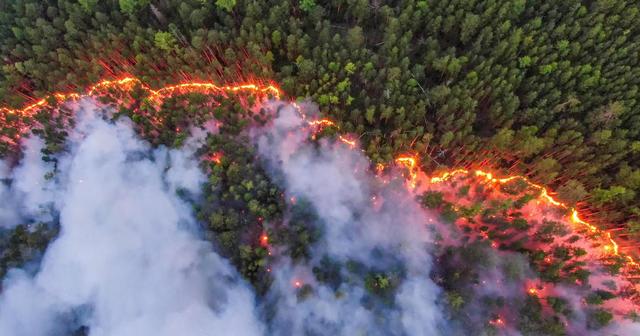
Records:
x=540, y=88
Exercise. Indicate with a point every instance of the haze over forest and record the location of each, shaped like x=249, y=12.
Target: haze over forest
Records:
x=203, y=167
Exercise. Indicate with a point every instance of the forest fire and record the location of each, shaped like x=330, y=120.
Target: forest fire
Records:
x=310, y=167
x=350, y=143
x=217, y=157
x=609, y=246
x=128, y=83
x=321, y=122
x=264, y=240
x=410, y=162
x=498, y=322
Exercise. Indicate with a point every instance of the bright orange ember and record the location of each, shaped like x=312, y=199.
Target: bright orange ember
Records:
x=609, y=245
x=321, y=122
x=498, y=322
x=409, y=161
x=217, y=157
x=127, y=83
x=264, y=240
x=350, y=143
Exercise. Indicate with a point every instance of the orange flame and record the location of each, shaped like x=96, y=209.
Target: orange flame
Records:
x=609, y=247
x=350, y=143
x=321, y=122
x=264, y=239
x=411, y=163
x=127, y=83
x=499, y=322
x=217, y=157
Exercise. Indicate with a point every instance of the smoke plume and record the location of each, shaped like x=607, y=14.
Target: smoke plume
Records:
x=377, y=226
x=128, y=260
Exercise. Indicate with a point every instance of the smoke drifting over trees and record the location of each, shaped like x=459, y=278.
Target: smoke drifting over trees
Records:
x=179, y=202
x=281, y=228
x=128, y=260
x=391, y=293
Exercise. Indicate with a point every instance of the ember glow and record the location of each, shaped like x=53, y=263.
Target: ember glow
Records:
x=270, y=89
x=415, y=178
x=217, y=157
x=128, y=83
x=411, y=163
x=609, y=246
x=350, y=143
x=321, y=122
x=498, y=322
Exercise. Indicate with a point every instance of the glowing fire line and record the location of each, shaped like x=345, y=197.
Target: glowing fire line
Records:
x=408, y=161
x=411, y=163
x=610, y=248
x=129, y=82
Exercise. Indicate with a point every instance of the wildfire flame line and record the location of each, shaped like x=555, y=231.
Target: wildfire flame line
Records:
x=321, y=123
x=610, y=246
x=411, y=162
x=129, y=82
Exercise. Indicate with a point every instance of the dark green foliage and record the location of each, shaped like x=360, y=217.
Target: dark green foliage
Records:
x=523, y=200
x=432, y=199
x=520, y=224
x=463, y=191
x=532, y=322
x=598, y=318
x=252, y=261
x=449, y=213
x=514, y=187
x=599, y=296
x=614, y=264
x=559, y=305
x=548, y=230
x=552, y=271
x=543, y=89
x=165, y=41
x=23, y=244
x=239, y=198
x=226, y=4
x=328, y=271
x=455, y=301
x=381, y=284
x=300, y=232
x=562, y=252
x=471, y=211
x=547, y=89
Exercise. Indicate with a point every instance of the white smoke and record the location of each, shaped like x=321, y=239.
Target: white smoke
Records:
x=128, y=260
x=337, y=182
x=624, y=328
x=9, y=217
x=31, y=193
